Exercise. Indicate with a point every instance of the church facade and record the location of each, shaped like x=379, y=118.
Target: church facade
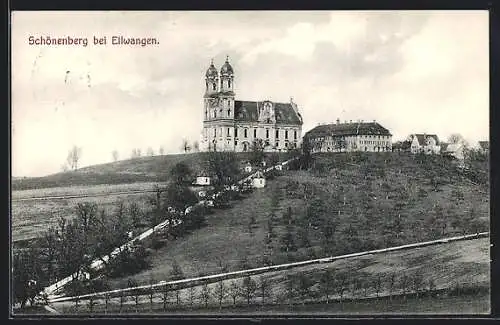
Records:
x=234, y=125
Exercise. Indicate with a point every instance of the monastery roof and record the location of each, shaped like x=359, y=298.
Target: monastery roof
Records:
x=346, y=129
x=248, y=111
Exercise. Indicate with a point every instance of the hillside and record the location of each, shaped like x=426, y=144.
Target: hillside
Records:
x=143, y=169
x=345, y=203
x=461, y=264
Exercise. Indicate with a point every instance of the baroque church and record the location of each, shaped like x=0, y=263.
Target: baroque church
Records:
x=234, y=125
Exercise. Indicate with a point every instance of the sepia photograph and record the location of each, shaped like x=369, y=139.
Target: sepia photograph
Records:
x=249, y=163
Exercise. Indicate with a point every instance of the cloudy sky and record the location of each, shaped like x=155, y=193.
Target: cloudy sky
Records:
x=418, y=71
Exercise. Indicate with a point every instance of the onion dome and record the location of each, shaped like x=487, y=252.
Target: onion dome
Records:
x=212, y=71
x=226, y=68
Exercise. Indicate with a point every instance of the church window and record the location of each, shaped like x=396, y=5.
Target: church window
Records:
x=214, y=86
x=229, y=83
x=277, y=134
x=254, y=133
x=235, y=142
x=286, y=134
x=228, y=132
x=277, y=144
x=235, y=132
x=215, y=132
x=215, y=113
x=295, y=135
x=267, y=133
x=220, y=132
x=246, y=135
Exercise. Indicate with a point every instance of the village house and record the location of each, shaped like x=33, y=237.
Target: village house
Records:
x=455, y=150
x=248, y=168
x=202, y=178
x=259, y=181
x=424, y=143
x=350, y=136
x=234, y=125
x=484, y=146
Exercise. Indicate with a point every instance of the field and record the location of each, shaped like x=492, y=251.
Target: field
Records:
x=462, y=264
x=31, y=217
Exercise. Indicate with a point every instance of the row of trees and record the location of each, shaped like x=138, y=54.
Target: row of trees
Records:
x=327, y=286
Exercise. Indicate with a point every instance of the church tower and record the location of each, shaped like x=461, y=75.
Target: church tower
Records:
x=226, y=94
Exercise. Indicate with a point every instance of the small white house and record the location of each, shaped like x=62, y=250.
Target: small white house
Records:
x=203, y=179
x=248, y=168
x=279, y=167
x=259, y=180
x=424, y=143
x=456, y=150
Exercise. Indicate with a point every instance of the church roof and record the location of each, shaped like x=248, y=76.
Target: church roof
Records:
x=212, y=71
x=248, y=111
x=346, y=129
x=226, y=68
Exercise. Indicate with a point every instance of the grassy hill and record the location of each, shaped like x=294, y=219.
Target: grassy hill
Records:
x=344, y=203
x=143, y=169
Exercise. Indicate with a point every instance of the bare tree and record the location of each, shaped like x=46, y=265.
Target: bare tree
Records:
x=220, y=292
x=136, y=153
x=455, y=138
x=114, y=154
x=196, y=146
x=185, y=146
x=205, y=294
x=150, y=152
x=74, y=156
x=249, y=288
x=192, y=295
x=234, y=291
x=161, y=150
x=64, y=167
x=265, y=289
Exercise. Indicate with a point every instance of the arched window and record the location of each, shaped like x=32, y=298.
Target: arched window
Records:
x=229, y=83
x=214, y=86
x=245, y=133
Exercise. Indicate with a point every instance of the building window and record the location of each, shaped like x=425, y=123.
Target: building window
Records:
x=295, y=135
x=215, y=132
x=286, y=144
x=213, y=86
x=286, y=134
x=277, y=144
x=220, y=132
x=228, y=132
x=267, y=133
x=235, y=143
x=246, y=133
x=277, y=134
x=235, y=132
x=229, y=83
x=254, y=133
